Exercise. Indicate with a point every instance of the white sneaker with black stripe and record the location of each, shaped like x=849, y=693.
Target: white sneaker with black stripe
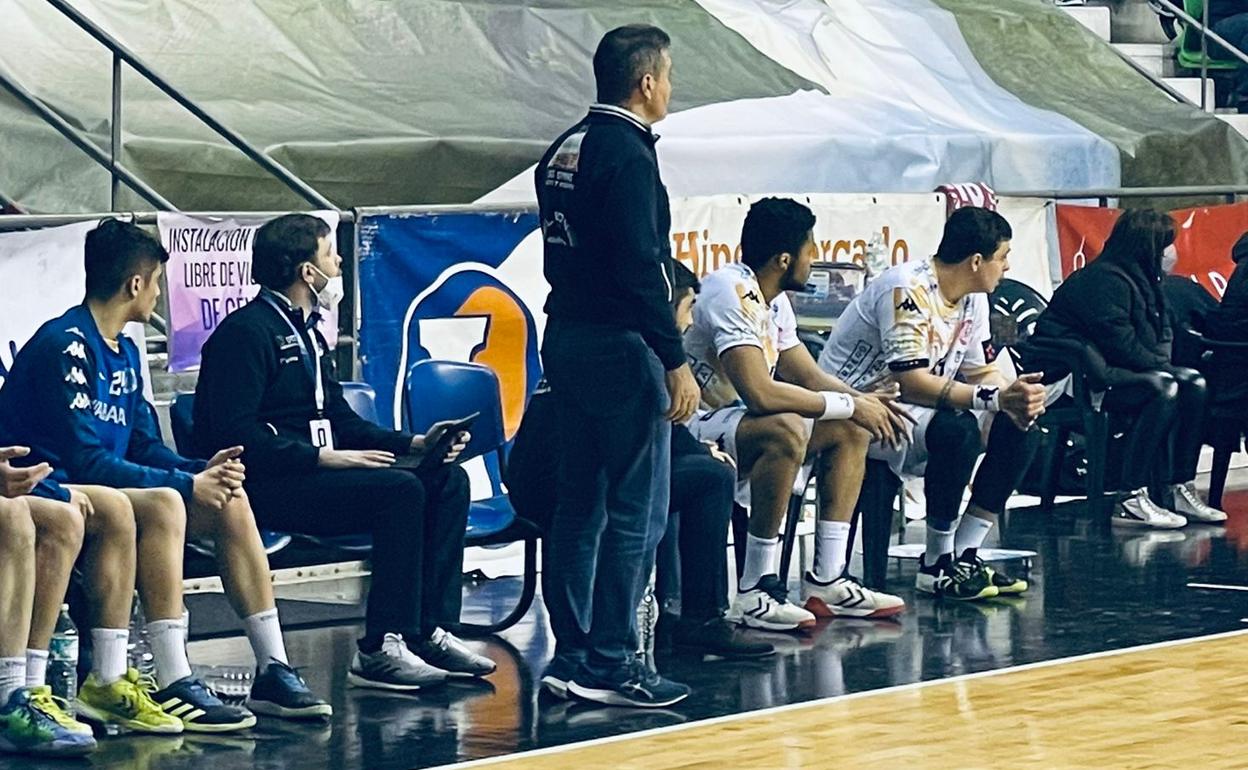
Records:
x=766, y=606
x=1138, y=510
x=845, y=597
x=393, y=667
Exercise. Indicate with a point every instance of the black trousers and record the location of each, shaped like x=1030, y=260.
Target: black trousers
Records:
x=954, y=444
x=1163, y=413
x=417, y=522
x=692, y=559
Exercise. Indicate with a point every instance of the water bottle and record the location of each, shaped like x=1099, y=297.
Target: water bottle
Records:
x=63, y=657
x=877, y=256
x=139, y=650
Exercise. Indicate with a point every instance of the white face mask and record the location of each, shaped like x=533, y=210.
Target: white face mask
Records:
x=331, y=293
x=1169, y=259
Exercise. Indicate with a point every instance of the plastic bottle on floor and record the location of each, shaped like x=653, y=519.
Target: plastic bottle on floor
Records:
x=63, y=657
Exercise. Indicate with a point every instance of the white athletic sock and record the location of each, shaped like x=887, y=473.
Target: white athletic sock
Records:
x=108, y=660
x=265, y=634
x=168, y=641
x=939, y=543
x=36, y=667
x=12, y=677
x=831, y=539
x=761, y=558
x=971, y=533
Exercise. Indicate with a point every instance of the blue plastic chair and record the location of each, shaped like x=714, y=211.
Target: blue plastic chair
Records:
x=447, y=390
x=182, y=421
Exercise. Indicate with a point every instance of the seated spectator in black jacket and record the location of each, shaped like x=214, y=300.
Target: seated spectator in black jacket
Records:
x=693, y=551
x=1116, y=305
x=1229, y=321
x=1229, y=18
x=1188, y=305
x=315, y=467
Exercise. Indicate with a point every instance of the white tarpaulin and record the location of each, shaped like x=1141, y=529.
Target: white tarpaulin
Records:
x=43, y=276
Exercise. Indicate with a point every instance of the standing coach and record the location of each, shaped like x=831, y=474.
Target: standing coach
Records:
x=617, y=370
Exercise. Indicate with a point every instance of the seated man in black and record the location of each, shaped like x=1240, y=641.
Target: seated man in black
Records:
x=695, y=542
x=315, y=467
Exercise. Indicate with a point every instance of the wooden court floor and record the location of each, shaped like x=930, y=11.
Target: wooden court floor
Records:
x=1177, y=704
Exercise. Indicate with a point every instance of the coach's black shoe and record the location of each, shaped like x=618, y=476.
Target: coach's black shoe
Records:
x=717, y=637
x=1001, y=581
x=450, y=654
x=959, y=580
x=279, y=691
x=634, y=684
x=558, y=674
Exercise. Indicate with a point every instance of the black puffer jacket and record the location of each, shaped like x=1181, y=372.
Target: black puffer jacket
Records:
x=1118, y=307
x=1229, y=322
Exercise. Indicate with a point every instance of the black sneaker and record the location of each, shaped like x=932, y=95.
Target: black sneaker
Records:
x=558, y=674
x=1001, y=581
x=279, y=691
x=635, y=685
x=718, y=637
x=199, y=708
x=960, y=580
x=450, y=654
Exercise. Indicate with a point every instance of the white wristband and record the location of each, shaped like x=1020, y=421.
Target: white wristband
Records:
x=836, y=406
x=986, y=398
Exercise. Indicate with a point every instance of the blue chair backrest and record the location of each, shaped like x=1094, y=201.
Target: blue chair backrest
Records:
x=362, y=399
x=448, y=390
x=182, y=421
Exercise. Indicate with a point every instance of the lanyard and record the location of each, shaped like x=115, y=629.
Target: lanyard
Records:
x=315, y=369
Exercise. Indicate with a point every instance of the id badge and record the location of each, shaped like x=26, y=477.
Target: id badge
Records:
x=322, y=434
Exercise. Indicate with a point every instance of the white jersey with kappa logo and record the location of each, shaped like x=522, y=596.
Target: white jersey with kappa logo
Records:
x=730, y=311
x=901, y=322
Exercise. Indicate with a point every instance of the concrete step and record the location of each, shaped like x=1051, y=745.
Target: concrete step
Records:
x=1095, y=18
x=1157, y=58
x=1239, y=122
x=1190, y=88
x=1134, y=22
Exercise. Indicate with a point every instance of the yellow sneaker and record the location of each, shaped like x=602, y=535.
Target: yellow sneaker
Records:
x=57, y=709
x=126, y=703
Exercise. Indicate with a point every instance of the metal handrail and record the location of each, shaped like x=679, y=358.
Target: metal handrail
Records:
x=84, y=143
x=1162, y=84
x=123, y=54
x=1206, y=35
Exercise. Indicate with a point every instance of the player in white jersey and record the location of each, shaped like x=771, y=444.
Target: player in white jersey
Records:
x=767, y=403
x=924, y=326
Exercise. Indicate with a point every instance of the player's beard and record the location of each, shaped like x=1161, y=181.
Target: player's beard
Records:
x=790, y=282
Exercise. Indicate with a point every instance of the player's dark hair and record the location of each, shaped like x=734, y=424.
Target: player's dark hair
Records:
x=972, y=230
x=683, y=280
x=774, y=226
x=282, y=245
x=625, y=55
x=115, y=252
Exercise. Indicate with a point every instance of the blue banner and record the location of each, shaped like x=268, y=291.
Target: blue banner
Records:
x=461, y=287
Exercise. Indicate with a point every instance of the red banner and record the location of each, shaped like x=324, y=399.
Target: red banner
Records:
x=1203, y=238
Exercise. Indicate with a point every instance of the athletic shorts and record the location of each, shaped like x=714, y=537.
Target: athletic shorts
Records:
x=719, y=426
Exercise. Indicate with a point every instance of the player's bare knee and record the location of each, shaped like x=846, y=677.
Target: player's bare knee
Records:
x=17, y=529
x=161, y=510
x=787, y=436
x=60, y=525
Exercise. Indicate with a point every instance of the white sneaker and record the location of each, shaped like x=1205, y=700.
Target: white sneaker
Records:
x=845, y=597
x=1137, y=510
x=393, y=667
x=1189, y=504
x=766, y=606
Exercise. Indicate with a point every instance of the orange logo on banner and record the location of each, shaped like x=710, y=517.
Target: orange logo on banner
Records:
x=504, y=349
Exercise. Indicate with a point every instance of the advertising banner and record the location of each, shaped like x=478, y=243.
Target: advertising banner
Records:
x=209, y=277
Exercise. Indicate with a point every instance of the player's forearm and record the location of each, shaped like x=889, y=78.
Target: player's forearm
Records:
x=782, y=397
x=926, y=389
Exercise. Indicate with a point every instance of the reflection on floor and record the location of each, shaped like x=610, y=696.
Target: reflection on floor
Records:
x=1094, y=589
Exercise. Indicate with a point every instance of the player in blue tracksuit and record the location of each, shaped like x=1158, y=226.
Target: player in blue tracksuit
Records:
x=74, y=395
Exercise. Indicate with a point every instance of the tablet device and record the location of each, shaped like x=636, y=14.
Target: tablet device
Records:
x=434, y=454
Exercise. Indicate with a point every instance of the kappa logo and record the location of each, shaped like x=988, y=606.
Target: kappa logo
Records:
x=985, y=396
x=908, y=305
x=76, y=377
x=77, y=350
x=74, y=330
x=753, y=296
x=81, y=401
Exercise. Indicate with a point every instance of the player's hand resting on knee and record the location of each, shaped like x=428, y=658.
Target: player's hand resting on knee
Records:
x=874, y=413
x=369, y=458
x=214, y=487
x=1023, y=400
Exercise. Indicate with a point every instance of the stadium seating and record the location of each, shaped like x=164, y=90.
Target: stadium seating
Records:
x=1189, y=55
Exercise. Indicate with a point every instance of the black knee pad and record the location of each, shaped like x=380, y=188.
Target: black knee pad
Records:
x=953, y=435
